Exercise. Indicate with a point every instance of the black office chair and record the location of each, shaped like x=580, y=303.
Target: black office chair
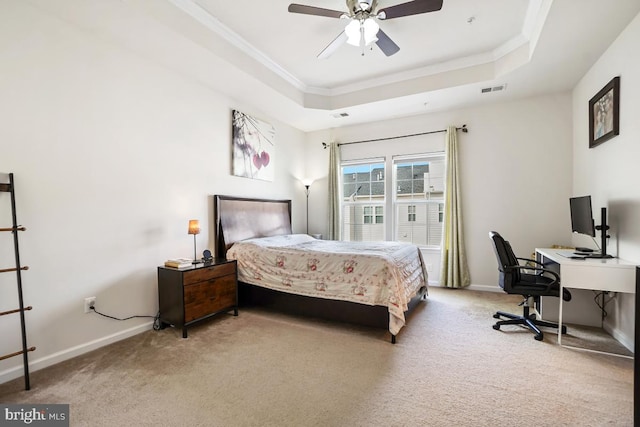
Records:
x=530, y=281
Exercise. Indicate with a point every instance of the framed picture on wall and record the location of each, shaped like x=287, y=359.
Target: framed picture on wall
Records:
x=604, y=113
x=253, y=147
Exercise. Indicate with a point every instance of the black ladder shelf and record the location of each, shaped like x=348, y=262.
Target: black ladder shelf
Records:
x=9, y=188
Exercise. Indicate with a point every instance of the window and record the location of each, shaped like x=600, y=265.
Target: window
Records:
x=373, y=215
x=412, y=213
x=419, y=199
x=363, y=200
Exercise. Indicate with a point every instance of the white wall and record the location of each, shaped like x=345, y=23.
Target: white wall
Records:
x=516, y=171
x=112, y=155
x=610, y=172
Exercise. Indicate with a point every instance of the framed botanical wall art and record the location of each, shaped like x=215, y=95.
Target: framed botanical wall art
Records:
x=604, y=113
x=253, y=147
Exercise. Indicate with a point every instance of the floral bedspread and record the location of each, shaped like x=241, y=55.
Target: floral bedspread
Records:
x=372, y=273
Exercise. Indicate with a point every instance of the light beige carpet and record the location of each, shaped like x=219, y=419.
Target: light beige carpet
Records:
x=449, y=368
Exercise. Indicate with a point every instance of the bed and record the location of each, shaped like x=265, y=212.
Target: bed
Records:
x=367, y=283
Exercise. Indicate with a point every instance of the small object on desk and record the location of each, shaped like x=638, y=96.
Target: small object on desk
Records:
x=582, y=249
x=577, y=257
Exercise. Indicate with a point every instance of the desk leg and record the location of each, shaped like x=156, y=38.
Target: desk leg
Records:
x=560, y=315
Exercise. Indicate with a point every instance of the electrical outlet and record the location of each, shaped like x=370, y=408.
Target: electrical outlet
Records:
x=88, y=303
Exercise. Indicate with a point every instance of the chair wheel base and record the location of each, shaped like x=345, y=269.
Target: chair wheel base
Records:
x=496, y=316
x=538, y=337
x=496, y=327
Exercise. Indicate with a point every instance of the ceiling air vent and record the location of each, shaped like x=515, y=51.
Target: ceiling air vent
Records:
x=493, y=89
x=340, y=115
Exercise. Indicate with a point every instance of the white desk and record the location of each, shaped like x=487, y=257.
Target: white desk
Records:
x=609, y=274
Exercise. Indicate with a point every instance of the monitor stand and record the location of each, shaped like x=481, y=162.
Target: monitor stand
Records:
x=603, y=228
x=599, y=256
x=583, y=249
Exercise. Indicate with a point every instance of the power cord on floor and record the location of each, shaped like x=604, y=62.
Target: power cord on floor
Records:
x=156, y=318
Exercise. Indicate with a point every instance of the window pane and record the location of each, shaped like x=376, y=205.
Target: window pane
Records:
x=403, y=171
x=363, y=182
x=377, y=189
x=348, y=189
x=356, y=226
x=420, y=178
x=419, y=189
x=424, y=228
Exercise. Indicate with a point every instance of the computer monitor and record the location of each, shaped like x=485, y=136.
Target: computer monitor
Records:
x=581, y=216
x=582, y=222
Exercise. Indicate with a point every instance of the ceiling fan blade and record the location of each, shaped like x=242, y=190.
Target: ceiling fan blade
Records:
x=333, y=46
x=385, y=44
x=410, y=8
x=311, y=10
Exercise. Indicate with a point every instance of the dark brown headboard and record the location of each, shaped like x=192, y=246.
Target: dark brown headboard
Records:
x=237, y=218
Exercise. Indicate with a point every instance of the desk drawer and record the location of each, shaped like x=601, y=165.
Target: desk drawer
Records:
x=595, y=277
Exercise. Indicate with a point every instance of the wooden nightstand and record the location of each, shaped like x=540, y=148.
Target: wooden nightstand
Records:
x=190, y=295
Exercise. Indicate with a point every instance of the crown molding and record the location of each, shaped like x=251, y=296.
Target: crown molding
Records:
x=205, y=18
x=534, y=20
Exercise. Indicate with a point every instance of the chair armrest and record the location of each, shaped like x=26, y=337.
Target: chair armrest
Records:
x=531, y=260
x=556, y=277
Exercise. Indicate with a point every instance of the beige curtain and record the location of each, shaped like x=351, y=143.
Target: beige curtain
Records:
x=333, y=227
x=454, y=271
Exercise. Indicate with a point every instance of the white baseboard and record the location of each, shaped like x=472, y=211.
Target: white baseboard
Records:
x=485, y=288
x=622, y=338
x=72, y=352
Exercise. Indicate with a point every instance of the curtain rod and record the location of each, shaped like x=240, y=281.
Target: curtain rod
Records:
x=464, y=129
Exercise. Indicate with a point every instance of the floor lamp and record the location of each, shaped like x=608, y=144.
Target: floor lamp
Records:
x=307, y=183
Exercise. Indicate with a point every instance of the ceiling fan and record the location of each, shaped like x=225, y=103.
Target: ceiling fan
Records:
x=362, y=30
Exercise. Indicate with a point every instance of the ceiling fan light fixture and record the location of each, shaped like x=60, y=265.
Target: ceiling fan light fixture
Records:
x=352, y=30
x=362, y=33
x=371, y=29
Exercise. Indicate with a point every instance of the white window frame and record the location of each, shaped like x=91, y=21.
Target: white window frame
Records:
x=430, y=197
x=360, y=201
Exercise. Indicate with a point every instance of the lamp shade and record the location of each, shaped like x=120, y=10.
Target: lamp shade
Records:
x=371, y=29
x=362, y=32
x=194, y=226
x=352, y=30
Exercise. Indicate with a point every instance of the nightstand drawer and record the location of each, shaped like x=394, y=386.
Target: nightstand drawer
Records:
x=204, y=298
x=206, y=273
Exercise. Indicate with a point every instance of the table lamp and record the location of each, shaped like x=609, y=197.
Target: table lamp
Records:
x=194, y=228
